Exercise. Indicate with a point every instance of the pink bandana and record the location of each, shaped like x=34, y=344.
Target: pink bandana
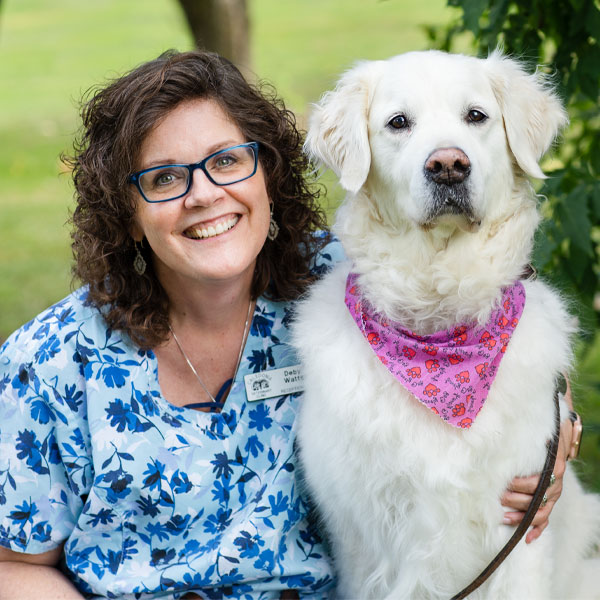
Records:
x=449, y=371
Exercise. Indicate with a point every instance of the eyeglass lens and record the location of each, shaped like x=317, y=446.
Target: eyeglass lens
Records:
x=170, y=181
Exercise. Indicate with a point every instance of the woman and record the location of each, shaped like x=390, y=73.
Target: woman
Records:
x=147, y=420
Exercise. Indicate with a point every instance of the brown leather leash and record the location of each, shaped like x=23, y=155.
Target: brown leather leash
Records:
x=533, y=507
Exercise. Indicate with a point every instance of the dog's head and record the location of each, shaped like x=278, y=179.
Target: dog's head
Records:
x=436, y=138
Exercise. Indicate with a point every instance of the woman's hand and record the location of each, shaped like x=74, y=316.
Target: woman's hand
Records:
x=520, y=492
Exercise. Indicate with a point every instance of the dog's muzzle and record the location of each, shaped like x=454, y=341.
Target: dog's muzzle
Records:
x=447, y=172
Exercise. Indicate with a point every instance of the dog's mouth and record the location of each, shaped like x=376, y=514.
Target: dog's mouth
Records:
x=451, y=204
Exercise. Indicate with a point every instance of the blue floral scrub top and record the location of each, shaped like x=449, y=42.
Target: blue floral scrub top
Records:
x=150, y=499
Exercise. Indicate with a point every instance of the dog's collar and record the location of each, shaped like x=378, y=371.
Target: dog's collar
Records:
x=450, y=371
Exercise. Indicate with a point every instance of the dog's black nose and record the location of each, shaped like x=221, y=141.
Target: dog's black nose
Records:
x=447, y=166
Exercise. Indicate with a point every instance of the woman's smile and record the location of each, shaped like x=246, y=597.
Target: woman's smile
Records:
x=212, y=228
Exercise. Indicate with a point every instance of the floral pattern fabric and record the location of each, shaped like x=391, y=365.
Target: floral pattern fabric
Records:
x=152, y=500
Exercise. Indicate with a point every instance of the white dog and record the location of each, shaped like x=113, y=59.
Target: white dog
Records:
x=434, y=151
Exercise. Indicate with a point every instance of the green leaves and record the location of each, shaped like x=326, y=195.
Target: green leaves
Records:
x=572, y=214
x=564, y=245
x=473, y=9
x=587, y=72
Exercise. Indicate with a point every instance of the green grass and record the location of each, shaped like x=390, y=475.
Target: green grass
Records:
x=51, y=52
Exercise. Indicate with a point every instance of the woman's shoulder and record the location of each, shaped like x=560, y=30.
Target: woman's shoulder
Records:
x=48, y=334
x=62, y=314
x=331, y=252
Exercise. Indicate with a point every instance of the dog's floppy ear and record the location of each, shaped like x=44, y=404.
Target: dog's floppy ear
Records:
x=338, y=133
x=533, y=115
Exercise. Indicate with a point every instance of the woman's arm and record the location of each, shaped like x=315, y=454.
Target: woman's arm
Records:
x=34, y=576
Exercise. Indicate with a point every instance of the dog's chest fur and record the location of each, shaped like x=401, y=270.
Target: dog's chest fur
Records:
x=393, y=475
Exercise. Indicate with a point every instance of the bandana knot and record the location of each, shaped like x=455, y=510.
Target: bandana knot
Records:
x=449, y=371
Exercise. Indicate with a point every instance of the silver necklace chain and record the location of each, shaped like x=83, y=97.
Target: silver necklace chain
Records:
x=239, y=359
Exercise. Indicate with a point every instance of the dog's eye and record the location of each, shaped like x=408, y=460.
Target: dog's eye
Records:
x=398, y=122
x=476, y=116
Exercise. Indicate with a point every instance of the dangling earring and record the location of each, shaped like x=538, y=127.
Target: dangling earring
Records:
x=273, y=227
x=139, y=264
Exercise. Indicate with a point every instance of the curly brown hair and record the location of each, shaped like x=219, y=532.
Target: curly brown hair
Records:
x=116, y=120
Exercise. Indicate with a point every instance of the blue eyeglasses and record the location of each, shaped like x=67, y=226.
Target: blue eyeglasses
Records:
x=225, y=167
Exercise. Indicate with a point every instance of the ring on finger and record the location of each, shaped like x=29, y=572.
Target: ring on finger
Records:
x=544, y=500
x=552, y=480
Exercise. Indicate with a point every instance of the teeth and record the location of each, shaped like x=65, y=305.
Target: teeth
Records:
x=211, y=231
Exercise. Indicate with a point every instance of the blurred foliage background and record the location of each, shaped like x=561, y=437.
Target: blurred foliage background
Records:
x=51, y=53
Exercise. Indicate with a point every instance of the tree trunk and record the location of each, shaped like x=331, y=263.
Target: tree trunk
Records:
x=221, y=26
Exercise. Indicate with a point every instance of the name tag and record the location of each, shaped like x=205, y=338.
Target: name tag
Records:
x=277, y=382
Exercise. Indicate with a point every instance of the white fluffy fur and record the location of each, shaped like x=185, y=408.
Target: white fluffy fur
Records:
x=411, y=503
